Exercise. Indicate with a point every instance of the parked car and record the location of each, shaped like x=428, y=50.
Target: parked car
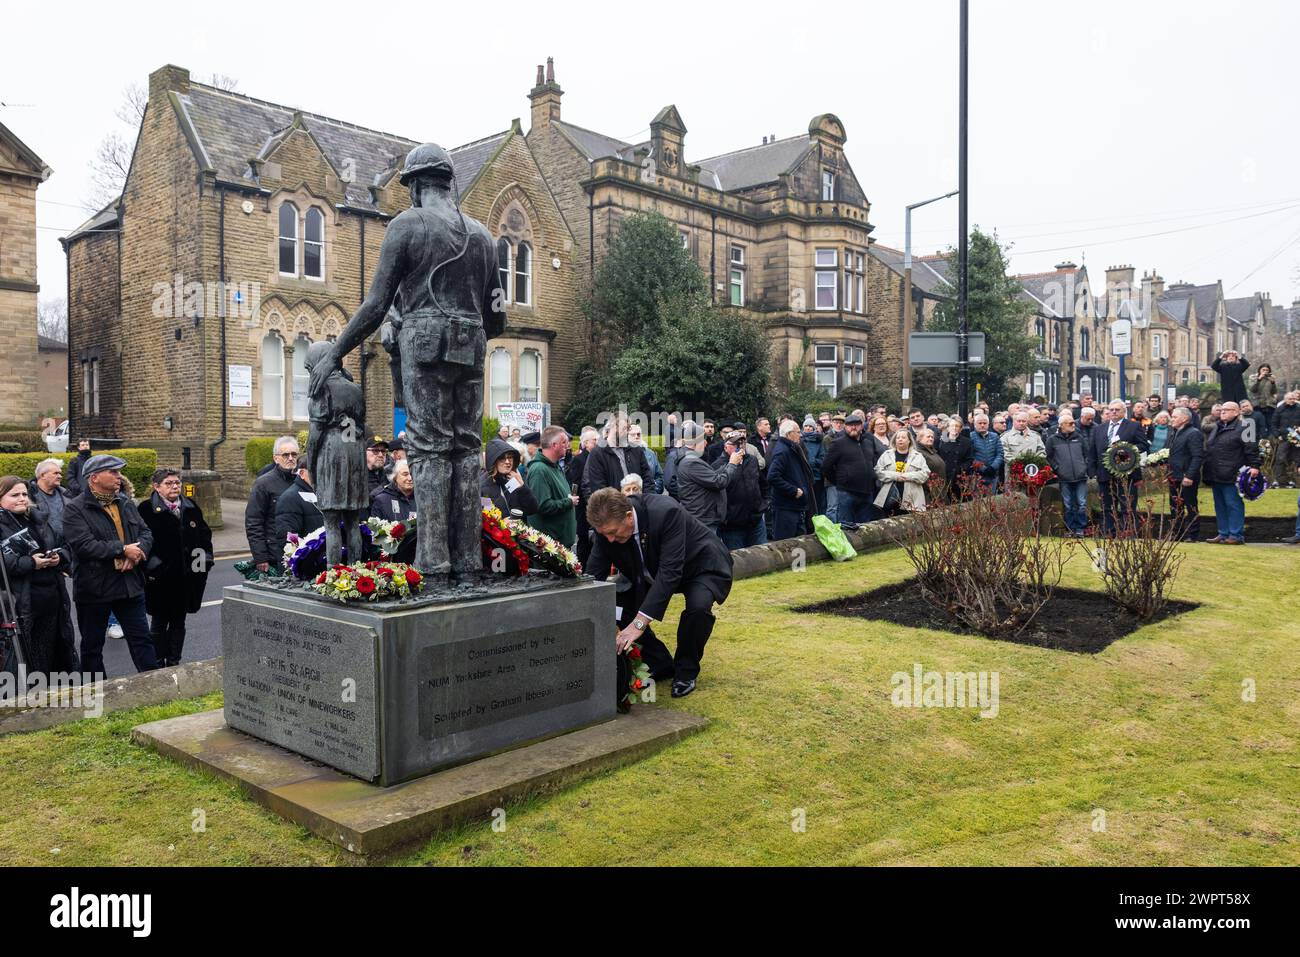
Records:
x=57, y=441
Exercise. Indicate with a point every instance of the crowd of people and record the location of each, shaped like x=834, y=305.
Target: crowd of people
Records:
x=137, y=568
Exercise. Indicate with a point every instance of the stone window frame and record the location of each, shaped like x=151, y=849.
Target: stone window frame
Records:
x=299, y=334
x=523, y=252
x=826, y=270
x=492, y=386
x=91, y=363
x=514, y=346
x=828, y=185
x=505, y=272
x=306, y=216
x=1085, y=344
x=737, y=274
x=264, y=377
x=535, y=356
x=514, y=218
x=281, y=238
x=855, y=281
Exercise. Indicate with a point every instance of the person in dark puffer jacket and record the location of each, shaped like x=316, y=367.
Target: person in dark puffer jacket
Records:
x=502, y=482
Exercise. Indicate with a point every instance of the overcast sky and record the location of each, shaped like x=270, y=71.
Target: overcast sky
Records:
x=1093, y=125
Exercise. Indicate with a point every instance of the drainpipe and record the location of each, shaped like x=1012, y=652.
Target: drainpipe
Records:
x=361, y=298
x=221, y=317
x=713, y=258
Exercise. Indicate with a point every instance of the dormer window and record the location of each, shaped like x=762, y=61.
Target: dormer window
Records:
x=828, y=185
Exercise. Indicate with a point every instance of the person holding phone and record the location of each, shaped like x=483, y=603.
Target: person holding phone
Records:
x=35, y=562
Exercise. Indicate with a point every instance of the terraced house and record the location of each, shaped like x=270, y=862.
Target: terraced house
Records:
x=781, y=229
x=248, y=230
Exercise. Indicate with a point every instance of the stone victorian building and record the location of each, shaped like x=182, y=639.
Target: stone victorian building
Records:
x=246, y=231
x=780, y=229
x=21, y=173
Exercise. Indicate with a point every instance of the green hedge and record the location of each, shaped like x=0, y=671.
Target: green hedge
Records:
x=10, y=447
x=140, y=465
x=28, y=440
x=259, y=451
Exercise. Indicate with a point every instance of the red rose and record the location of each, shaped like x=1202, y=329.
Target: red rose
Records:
x=386, y=571
x=320, y=579
x=635, y=652
x=412, y=577
x=398, y=530
x=636, y=685
x=365, y=585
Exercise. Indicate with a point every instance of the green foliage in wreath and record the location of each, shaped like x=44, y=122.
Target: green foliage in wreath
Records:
x=1121, y=459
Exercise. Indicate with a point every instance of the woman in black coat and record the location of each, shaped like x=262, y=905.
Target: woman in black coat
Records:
x=502, y=482
x=177, y=571
x=395, y=502
x=955, y=449
x=35, y=569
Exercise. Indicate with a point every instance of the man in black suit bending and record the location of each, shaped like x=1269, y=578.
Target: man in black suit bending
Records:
x=663, y=550
x=1117, y=427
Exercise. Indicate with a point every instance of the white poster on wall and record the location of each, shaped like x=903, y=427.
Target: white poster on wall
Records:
x=240, y=380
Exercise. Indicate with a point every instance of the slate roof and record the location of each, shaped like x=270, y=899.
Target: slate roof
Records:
x=1241, y=311
x=48, y=344
x=756, y=165
x=230, y=129
x=1175, y=309
x=103, y=218
x=929, y=274
x=592, y=144
x=1205, y=297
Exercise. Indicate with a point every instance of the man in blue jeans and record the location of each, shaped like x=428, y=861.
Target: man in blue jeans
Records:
x=1228, y=448
x=849, y=465
x=1069, y=460
x=110, y=544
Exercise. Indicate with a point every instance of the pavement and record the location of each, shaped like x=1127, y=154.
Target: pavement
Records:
x=229, y=541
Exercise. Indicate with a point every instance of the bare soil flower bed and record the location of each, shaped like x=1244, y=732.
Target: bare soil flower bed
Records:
x=1072, y=620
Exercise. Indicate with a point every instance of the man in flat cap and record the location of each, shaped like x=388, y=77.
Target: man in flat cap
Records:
x=376, y=463
x=110, y=545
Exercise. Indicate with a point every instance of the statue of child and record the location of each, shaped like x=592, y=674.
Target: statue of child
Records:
x=336, y=448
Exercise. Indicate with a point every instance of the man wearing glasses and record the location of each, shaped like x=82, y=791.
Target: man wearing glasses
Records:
x=259, y=516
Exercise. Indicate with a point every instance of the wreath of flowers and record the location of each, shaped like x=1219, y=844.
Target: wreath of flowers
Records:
x=1121, y=459
x=1032, y=480
x=368, y=581
x=638, y=674
x=1293, y=435
x=544, y=551
x=304, y=556
x=1250, y=487
x=1154, y=458
x=498, y=540
x=389, y=535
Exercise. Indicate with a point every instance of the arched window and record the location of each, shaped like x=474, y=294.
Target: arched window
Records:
x=313, y=249
x=499, y=377
x=272, y=376
x=300, y=376
x=1040, y=330
x=523, y=274
x=288, y=239
x=503, y=266
x=1186, y=375
x=530, y=376
x=1085, y=343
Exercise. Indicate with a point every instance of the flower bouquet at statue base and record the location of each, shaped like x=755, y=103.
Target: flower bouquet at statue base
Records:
x=388, y=536
x=368, y=581
x=304, y=556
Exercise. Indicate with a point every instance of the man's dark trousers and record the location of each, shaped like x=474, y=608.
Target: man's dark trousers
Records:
x=92, y=620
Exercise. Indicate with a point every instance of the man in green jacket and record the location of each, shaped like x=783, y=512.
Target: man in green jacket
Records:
x=548, y=483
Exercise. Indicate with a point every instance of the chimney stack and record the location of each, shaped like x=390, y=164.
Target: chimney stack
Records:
x=545, y=96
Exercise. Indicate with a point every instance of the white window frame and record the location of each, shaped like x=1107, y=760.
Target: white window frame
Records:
x=524, y=253
x=828, y=186
x=301, y=343
x=90, y=386
x=494, y=387
x=1085, y=384
x=685, y=237
x=1085, y=341
x=819, y=359
x=826, y=275
x=1039, y=386
x=272, y=380
x=308, y=242
x=530, y=393
x=506, y=280
x=281, y=237
x=860, y=271
x=1155, y=345
x=736, y=275
x=833, y=386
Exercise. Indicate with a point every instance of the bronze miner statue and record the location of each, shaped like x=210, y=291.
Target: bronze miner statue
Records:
x=438, y=272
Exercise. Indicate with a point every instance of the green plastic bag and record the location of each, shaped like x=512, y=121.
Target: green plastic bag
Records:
x=833, y=537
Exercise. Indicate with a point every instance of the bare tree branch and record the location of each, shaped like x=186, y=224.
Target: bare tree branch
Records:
x=52, y=318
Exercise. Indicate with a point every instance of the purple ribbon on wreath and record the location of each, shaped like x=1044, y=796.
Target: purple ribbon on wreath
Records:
x=1250, y=486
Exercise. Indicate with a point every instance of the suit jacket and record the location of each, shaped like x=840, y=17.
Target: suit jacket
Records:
x=1129, y=431
x=678, y=550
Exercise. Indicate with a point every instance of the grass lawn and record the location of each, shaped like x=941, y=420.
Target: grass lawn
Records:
x=1153, y=731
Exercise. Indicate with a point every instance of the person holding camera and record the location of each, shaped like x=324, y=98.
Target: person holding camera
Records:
x=35, y=561
x=1231, y=367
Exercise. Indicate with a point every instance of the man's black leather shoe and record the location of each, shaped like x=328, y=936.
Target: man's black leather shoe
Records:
x=682, y=688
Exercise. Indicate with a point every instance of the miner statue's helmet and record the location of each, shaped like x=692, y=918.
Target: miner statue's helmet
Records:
x=427, y=158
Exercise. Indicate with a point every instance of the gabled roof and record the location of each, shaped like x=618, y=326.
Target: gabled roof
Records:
x=47, y=344
x=230, y=129
x=591, y=144
x=470, y=159
x=1176, y=309
x=103, y=219
x=1205, y=296
x=1035, y=288
x=755, y=165
x=1242, y=311
x=929, y=273
x=25, y=153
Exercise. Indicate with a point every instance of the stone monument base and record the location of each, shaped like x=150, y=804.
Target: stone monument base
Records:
x=369, y=819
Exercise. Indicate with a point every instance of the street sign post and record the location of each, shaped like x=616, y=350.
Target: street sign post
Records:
x=937, y=350
x=1121, y=344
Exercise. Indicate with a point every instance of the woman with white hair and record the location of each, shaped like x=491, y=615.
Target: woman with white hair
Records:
x=1158, y=431
x=902, y=474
